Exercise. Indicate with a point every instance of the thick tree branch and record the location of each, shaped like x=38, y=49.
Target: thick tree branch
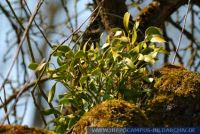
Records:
x=109, y=16
x=112, y=13
x=156, y=13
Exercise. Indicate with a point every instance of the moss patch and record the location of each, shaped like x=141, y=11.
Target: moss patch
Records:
x=176, y=99
x=112, y=113
x=17, y=129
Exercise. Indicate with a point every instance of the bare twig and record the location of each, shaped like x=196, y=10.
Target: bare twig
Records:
x=179, y=41
x=22, y=41
x=22, y=90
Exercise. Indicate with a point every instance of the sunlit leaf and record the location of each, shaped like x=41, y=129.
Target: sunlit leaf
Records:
x=71, y=116
x=126, y=20
x=134, y=35
x=157, y=38
x=51, y=93
x=105, y=45
x=85, y=105
x=40, y=66
x=153, y=54
x=118, y=33
x=65, y=99
x=162, y=50
x=83, y=79
x=137, y=23
x=129, y=63
x=149, y=59
x=141, y=57
x=115, y=55
x=148, y=79
x=123, y=39
x=136, y=49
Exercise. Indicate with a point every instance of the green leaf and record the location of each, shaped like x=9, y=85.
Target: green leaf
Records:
x=51, y=93
x=157, y=38
x=66, y=99
x=118, y=33
x=129, y=63
x=141, y=57
x=152, y=31
x=105, y=45
x=162, y=50
x=126, y=20
x=96, y=71
x=136, y=49
x=79, y=54
x=69, y=54
x=50, y=111
x=83, y=79
x=64, y=48
x=58, y=54
x=33, y=66
x=123, y=39
x=137, y=23
x=148, y=79
x=115, y=55
x=153, y=54
x=85, y=105
x=92, y=55
x=149, y=59
x=134, y=35
x=40, y=66
x=147, y=50
x=59, y=61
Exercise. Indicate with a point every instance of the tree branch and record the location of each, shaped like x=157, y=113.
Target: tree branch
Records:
x=157, y=12
x=22, y=90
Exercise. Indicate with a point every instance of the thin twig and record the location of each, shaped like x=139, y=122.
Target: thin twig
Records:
x=179, y=41
x=49, y=58
x=23, y=89
x=22, y=41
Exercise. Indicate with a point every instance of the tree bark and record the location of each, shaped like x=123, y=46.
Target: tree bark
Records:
x=157, y=12
x=109, y=16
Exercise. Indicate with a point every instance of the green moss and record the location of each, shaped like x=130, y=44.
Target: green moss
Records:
x=17, y=129
x=176, y=99
x=112, y=113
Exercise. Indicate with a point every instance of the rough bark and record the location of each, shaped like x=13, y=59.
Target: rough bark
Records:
x=109, y=16
x=17, y=129
x=157, y=12
x=112, y=11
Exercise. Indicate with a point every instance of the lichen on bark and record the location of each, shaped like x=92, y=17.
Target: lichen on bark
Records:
x=18, y=129
x=176, y=98
x=112, y=113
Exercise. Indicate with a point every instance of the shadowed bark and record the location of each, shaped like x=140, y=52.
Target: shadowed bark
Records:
x=109, y=15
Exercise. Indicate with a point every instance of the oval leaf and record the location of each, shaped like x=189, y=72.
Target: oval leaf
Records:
x=50, y=111
x=152, y=30
x=79, y=54
x=157, y=38
x=126, y=20
x=105, y=45
x=40, y=66
x=33, y=66
x=51, y=93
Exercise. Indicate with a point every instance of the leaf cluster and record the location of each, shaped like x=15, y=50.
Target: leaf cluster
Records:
x=103, y=72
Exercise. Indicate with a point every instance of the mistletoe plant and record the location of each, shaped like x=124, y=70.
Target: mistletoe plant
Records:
x=112, y=70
